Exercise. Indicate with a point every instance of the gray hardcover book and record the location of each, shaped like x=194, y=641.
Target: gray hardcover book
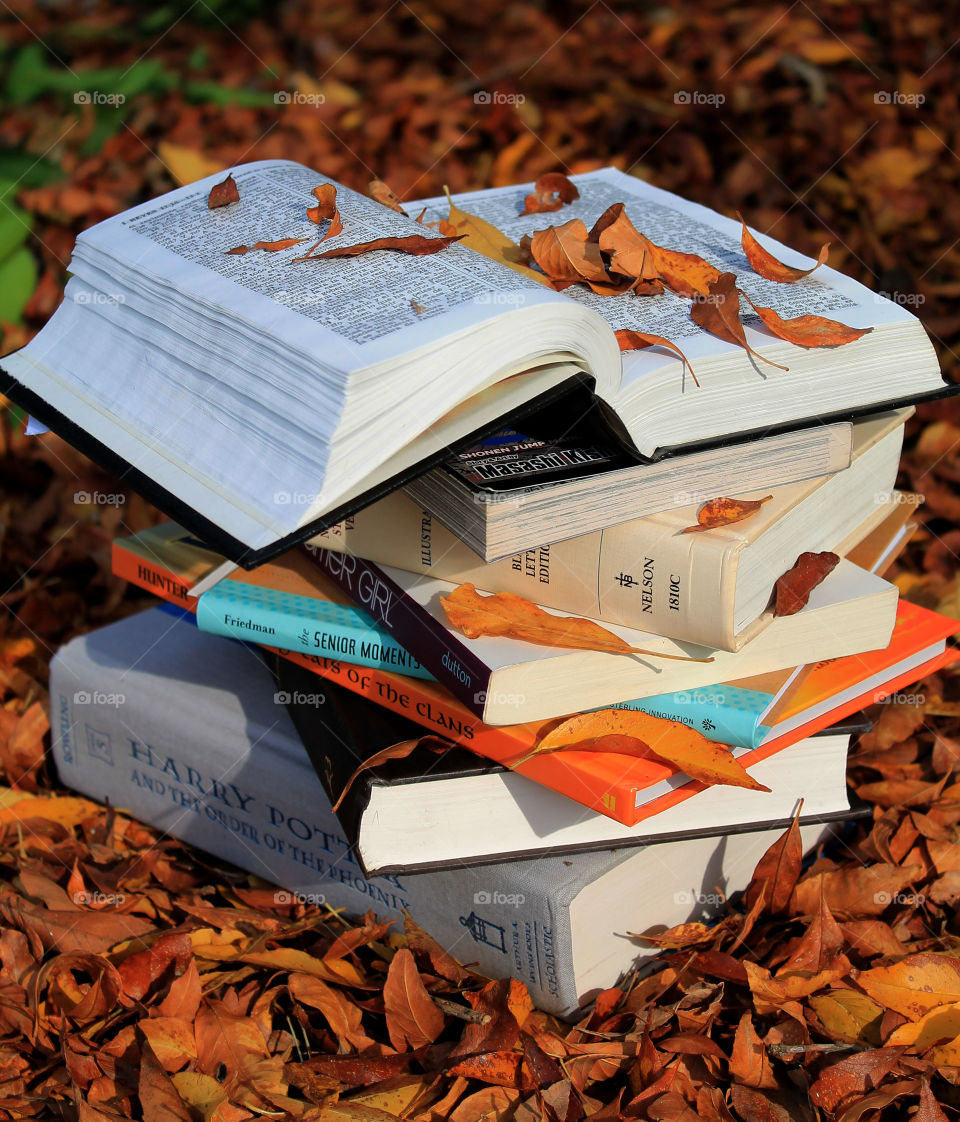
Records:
x=184, y=730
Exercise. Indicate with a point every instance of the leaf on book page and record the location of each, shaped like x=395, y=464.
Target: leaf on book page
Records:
x=483, y=237
x=267, y=247
x=637, y=340
x=629, y=732
x=223, y=193
x=383, y=194
x=326, y=210
x=413, y=1019
x=719, y=313
x=398, y=751
x=567, y=256
x=768, y=266
x=792, y=590
x=415, y=244
x=808, y=331
x=508, y=616
x=633, y=254
x=550, y=192
x=724, y=512
x=629, y=251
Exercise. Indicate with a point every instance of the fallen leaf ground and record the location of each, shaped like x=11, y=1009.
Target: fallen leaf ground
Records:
x=140, y=979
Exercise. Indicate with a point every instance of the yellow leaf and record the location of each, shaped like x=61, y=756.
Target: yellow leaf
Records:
x=941, y=1023
x=186, y=165
x=172, y=1040
x=395, y=1096
x=68, y=810
x=850, y=1016
x=201, y=1092
x=914, y=985
x=482, y=237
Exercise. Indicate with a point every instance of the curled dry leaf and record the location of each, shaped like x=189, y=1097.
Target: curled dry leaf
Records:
x=326, y=210
x=393, y=752
x=223, y=193
x=550, y=192
x=506, y=615
x=808, y=331
x=267, y=247
x=768, y=266
x=719, y=313
x=637, y=340
x=383, y=194
x=414, y=244
x=724, y=512
x=792, y=590
x=567, y=255
x=630, y=732
x=483, y=237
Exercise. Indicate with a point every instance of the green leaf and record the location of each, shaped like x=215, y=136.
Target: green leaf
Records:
x=15, y=225
x=18, y=279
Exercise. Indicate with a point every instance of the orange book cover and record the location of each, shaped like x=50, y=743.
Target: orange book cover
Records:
x=627, y=789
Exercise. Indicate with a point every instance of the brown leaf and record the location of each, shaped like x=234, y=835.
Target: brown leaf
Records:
x=68, y=931
x=768, y=266
x=379, y=190
x=417, y=245
x=503, y=1069
x=755, y=1106
x=821, y=945
x=142, y=968
x=854, y=1075
x=929, y=1108
x=223, y=193
x=159, y=1098
x=392, y=752
x=267, y=247
x=686, y=274
x=84, y=987
x=412, y=1017
x=914, y=985
x=513, y=617
x=808, y=331
x=637, y=341
x=862, y=890
x=792, y=590
x=442, y=963
x=350, y=1071
x=566, y=254
x=183, y=997
x=718, y=311
x=749, y=1062
x=326, y=210
x=724, y=512
x=778, y=870
x=344, y=1017
x=550, y=192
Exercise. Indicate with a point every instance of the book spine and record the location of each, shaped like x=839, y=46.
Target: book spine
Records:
x=453, y=664
x=300, y=623
x=281, y=828
x=641, y=574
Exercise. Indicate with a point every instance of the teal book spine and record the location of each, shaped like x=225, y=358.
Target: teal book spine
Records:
x=727, y=714
x=302, y=623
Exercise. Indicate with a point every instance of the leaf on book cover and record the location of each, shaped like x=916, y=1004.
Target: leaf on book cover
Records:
x=413, y=1019
x=267, y=247
x=808, y=331
x=792, y=590
x=768, y=266
x=398, y=751
x=637, y=341
x=719, y=313
x=724, y=512
x=414, y=244
x=223, y=193
x=508, y=616
x=483, y=237
x=326, y=210
x=629, y=732
x=550, y=192
x=382, y=193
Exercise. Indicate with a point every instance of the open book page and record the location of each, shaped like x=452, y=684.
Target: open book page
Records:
x=349, y=312
x=678, y=224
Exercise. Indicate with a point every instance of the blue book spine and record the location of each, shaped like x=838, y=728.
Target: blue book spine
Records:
x=302, y=623
x=726, y=714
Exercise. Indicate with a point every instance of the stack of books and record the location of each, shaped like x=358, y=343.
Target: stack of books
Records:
x=347, y=443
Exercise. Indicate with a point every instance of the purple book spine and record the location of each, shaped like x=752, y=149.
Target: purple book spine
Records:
x=452, y=663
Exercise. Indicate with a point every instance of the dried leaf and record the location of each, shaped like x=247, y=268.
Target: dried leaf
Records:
x=159, y=1098
x=326, y=210
x=792, y=590
x=637, y=341
x=914, y=985
x=417, y=245
x=393, y=752
x=223, y=193
x=550, y=192
x=808, y=331
x=512, y=617
x=686, y=274
x=483, y=237
x=778, y=870
x=718, y=311
x=267, y=247
x=724, y=512
x=412, y=1017
x=566, y=254
x=379, y=190
x=853, y=1075
x=749, y=1062
x=768, y=266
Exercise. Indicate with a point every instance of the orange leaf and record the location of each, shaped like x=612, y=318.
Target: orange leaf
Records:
x=421, y=943
x=326, y=208
x=415, y=244
x=808, y=331
x=630, y=732
x=854, y=1075
x=267, y=247
x=749, y=1062
x=778, y=869
x=719, y=313
x=550, y=192
x=381, y=192
x=914, y=985
x=412, y=1017
x=768, y=266
x=223, y=193
x=85, y=1000
x=637, y=340
x=724, y=512
x=566, y=254
x=398, y=751
x=792, y=590
x=512, y=617
x=503, y=1069
x=686, y=274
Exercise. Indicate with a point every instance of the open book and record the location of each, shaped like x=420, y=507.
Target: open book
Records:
x=258, y=400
